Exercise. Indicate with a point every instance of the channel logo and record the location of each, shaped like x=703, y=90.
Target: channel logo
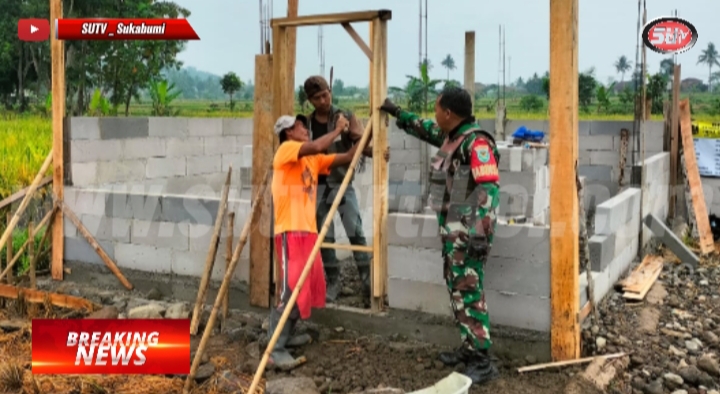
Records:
x=33, y=29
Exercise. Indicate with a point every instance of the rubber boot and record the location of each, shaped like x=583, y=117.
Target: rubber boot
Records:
x=480, y=367
x=364, y=274
x=333, y=283
x=455, y=357
x=280, y=356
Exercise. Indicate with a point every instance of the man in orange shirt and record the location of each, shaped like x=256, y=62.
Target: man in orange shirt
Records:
x=296, y=166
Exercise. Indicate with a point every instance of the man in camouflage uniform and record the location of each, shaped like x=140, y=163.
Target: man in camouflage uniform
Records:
x=464, y=192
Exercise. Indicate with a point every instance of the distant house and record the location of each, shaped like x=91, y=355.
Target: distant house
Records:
x=692, y=85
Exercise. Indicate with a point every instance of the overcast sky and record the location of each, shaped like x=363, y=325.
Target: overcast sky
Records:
x=230, y=36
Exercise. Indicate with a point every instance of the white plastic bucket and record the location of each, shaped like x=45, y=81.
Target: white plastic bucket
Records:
x=455, y=383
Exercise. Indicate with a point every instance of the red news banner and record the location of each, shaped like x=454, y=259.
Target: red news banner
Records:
x=120, y=346
x=124, y=29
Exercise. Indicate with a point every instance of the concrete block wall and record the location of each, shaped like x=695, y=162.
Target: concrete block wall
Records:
x=656, y=183
x=524, y=183
x=615, y=243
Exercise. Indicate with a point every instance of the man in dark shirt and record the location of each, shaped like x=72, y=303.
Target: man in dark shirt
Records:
x=322, y=120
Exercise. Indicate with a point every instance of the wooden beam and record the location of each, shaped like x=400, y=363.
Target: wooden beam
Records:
x=674, y=141
x=292, y=13
x=358, y=40
x=332, y=19
x=470, y=65
x=370, y=85
x=354, y=248
x=20, y=194
x=696, y=189
x=380, y=166
x=57, y=50
x=39, y=297
x=264, y=141
x=563, y=108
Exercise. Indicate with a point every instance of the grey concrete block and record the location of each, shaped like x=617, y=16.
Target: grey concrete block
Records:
x=584, y=127
x=78, y=249
x=144, y=258
x=418, y=296
x=84, y=128
x=596, y=173
x=133, y=206
x=405, y=156
x=515, y=204
x=675, y=244
x=69, y=229
x=416, y=264
x=237, y=161
x=237, y=126
x=520, y=182
x=161, y=234
x=121, y=171
x=627, y=234
x=413, y=230
x=85, y=201
x=609, y=127
x=182, y=147
x=141, y=148
x=166, y=167
x=107, y=229
x=611, y=215
x=84, y=151
x=396, y=141
x=521, y=242
x=604, y=158
x=405, y=189
x=123, y=128
x=222, y=145
x=507, y=274
x=412, y=142
x=595, y=142
x=205, y=127
x=189, y=210
x=174, y=127
x=533, y=159
x=511, y=159
x=602, y=251
x=84, y=174
x=597, y=192
x=204, y=165
x=399, y=173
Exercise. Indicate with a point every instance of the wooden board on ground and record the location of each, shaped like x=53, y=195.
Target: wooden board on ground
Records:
x=696, y=188
x=39, y=297
x=638, y=279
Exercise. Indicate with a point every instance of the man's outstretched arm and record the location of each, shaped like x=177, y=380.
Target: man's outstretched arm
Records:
x=423, y=129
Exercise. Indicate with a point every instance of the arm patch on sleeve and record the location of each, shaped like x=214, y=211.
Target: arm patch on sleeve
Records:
x=482, y=162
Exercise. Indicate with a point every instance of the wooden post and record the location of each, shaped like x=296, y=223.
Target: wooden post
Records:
x=31, y=255
x=643, y=127
x=380, y=166
x=228, y=258
x=470, y=65
x=370, y=86
x=57, y=50
x=9, y=251
x=264, y=142
x=674, y=141
x=563, y=108
x=292, y=12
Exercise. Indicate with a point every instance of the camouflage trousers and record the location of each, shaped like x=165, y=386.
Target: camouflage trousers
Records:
x=467, y=235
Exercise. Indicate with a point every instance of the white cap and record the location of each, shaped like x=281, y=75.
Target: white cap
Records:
x=287, y=121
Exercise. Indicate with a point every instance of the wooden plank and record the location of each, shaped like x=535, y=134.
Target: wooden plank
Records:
x=358, y=40
x=228, y=258
x=696, y=189
x=470, y=65
x=648, y=285
x=585, y=311
x=563, y=108
x=637, y=279
x=264, y=141
x=380, y=167
x=331, y=19
x=674, y=142
x=39, y=297
x=569, y=362
x=20, y=194
x=57, y=49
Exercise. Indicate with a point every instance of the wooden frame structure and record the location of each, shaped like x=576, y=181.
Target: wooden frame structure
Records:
x=277, y=92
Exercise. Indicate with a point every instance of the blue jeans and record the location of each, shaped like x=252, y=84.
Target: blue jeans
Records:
x=349, y=211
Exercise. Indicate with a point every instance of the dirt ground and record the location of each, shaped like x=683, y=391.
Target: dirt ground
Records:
x=339, y=360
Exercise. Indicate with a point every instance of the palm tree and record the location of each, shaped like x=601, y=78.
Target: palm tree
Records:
x=449, y=64
x=622, y=65
x=711, y=58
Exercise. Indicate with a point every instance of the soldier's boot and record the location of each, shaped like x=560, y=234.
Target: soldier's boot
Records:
x=480, y=367
x=364, y=274
x=280, y=357
x=333, y=283
x=455, y=357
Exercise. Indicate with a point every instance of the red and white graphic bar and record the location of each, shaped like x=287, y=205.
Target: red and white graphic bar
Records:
x=124, y=29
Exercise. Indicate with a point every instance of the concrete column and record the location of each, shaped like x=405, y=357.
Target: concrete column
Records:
x=470, y=64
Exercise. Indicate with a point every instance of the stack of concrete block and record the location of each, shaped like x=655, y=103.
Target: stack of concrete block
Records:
x=656, y=186
x=615, y=243
x=153, y=233
x=524, y=183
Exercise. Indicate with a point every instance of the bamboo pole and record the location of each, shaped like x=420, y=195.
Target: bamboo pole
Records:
x=226, y=282
x=57, y=56
x=26, y=200
x=308, y=264
x=39, y=252
x=94, y=244
x=228, y=258
x=31, y=255
x=14, y=257
x=9, y=249
x=212, y=253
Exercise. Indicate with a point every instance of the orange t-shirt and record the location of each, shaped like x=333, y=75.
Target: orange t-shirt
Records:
x=294, y=187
